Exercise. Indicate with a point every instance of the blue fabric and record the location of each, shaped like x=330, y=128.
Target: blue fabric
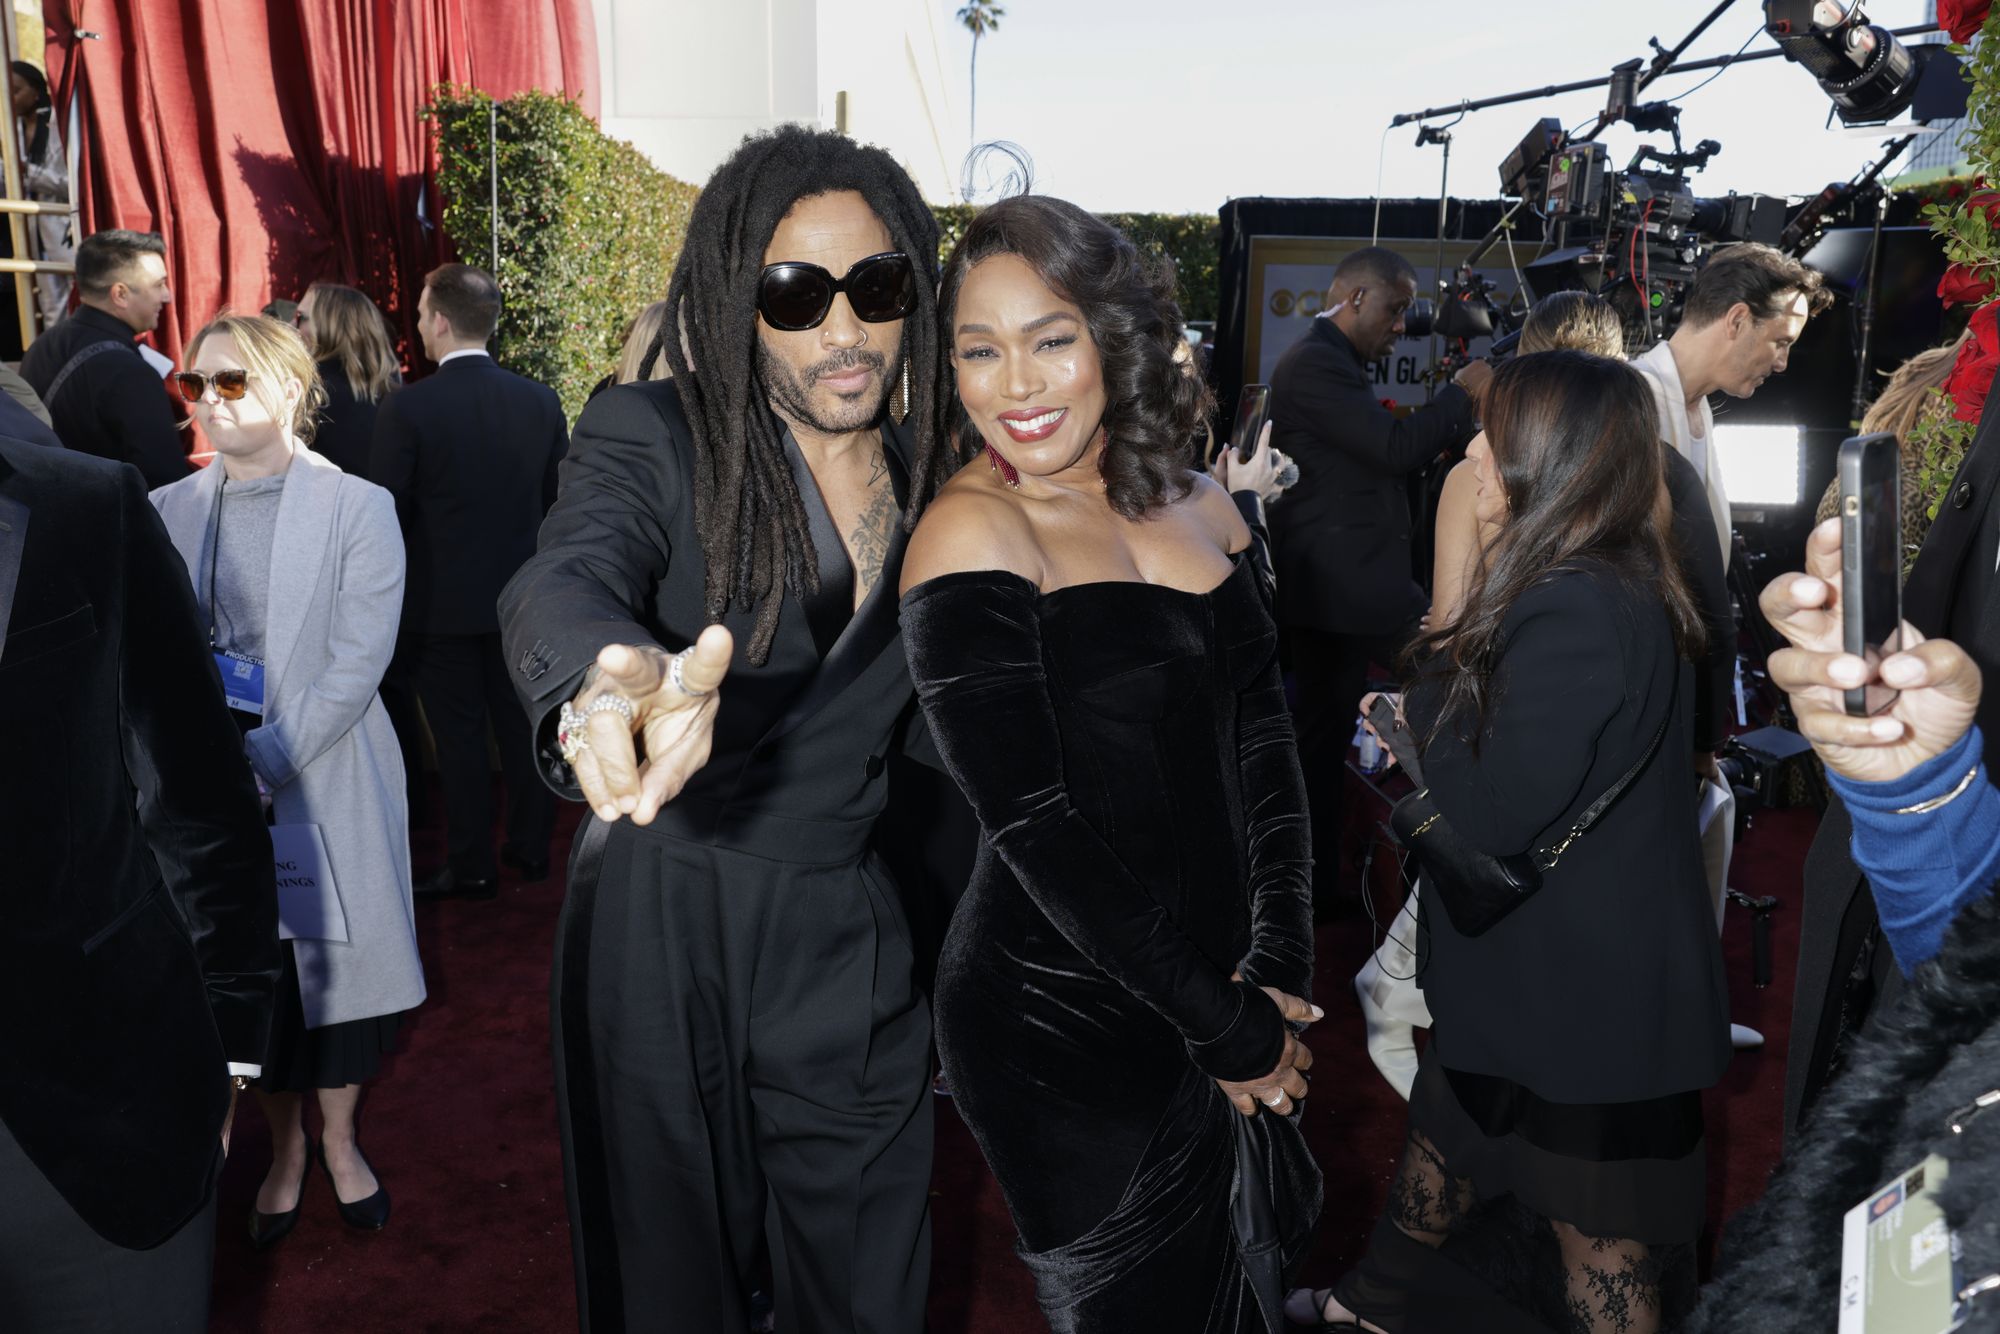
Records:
x=1924, y=868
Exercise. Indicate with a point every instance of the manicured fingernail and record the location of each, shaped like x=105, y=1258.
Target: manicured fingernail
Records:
x=1318, y=1013
x=1902, y=671
x=1888, y=729
x=1847, y=670
x=1806, y=587
x=607, y=813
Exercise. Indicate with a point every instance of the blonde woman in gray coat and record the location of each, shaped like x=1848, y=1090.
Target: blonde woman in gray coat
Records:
x=298, y=575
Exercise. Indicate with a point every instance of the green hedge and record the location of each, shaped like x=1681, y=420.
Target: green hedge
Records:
x=1191, y=240
x=589, y=230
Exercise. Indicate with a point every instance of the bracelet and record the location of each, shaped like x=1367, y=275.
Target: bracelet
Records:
x=1936, y=803
x=239, y=1082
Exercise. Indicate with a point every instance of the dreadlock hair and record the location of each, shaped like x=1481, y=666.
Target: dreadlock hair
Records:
x=754, y=532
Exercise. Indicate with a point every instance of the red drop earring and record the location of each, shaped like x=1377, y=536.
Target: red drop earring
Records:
x=1008, y=472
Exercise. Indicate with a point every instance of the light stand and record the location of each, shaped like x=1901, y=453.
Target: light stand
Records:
x=1441, y=135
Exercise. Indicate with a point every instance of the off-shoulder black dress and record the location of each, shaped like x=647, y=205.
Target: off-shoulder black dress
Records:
x=1128, y=752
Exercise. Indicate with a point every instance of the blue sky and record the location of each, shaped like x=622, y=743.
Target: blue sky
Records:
x=1178, y=105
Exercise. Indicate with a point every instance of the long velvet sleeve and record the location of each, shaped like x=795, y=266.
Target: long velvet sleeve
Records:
x=1274, y=799
x=367, y=606
x=975, y=649
x=195, y=798
x=1560, y=679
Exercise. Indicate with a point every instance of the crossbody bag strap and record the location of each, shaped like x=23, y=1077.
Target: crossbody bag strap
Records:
x=1545, y=859
x=69, y=367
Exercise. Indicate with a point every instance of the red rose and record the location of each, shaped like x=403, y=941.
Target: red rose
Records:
x=1962, y=18
x=1984, y=201
x=1962, y=286
x=1954, y=190
x=1971, y=375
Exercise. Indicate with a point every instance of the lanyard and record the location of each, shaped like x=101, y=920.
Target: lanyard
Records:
x=215, y=555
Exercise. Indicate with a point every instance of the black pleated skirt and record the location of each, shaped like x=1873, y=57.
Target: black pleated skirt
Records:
x=301, y=1058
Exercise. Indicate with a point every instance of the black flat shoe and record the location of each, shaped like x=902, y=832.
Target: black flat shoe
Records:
x=267, y=1230
x=444, y=885
x=369, y=1215
x=531, y=868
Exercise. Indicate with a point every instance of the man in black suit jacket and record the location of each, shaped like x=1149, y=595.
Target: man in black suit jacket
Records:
x=1845, y=969
x=470, y=455
x=138, y=919
x=1347, y=588
x=102, y=395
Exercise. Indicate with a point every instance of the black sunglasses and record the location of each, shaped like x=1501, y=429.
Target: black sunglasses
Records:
x=228, y=384
x=796, y=295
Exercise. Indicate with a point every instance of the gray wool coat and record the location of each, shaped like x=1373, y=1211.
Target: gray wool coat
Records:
x=326, y=749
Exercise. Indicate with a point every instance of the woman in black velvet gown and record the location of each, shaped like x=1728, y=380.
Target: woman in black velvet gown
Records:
x=1090, y=641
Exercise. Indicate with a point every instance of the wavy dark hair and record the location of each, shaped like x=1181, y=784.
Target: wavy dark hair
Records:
x=1153, y=407
x=754, y=532
x=1575, y=441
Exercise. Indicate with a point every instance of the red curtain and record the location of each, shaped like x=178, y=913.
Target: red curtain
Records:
x=275, y=142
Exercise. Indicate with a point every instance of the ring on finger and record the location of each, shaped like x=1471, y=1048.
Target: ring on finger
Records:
x=571, y=738
x=678, y=681
x=617, y=704
x=1275, y=1098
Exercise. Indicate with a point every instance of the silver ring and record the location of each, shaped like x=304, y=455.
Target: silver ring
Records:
x=617, y=704
x=675, y=679
x=1275, y=1098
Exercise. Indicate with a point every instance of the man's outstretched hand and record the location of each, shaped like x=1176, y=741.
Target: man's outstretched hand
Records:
x=678, y=725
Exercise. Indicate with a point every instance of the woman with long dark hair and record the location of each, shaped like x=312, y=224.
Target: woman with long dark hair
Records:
x=1555, y=1144
x=1098, y=666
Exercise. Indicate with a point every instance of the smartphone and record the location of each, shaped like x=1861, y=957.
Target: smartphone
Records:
x=1253, y=409
x=1871, y=560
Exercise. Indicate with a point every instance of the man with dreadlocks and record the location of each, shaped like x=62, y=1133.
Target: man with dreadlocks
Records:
x=742, y=1058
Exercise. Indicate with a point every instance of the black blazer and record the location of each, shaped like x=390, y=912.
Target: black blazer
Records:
x=346, y=431
x=138, y=915
x=1693, y=535
x=1342, y=533
x=112, y=405
x=470, y=455
x=1607, y=985
x=1952, y=593
x=806, y=735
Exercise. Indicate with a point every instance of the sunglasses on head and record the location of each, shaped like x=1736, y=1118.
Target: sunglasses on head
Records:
x=796, y=295
x=229, y=385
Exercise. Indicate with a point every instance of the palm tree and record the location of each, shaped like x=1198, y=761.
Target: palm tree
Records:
x=979, y=17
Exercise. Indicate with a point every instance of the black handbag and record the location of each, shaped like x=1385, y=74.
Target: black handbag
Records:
x=1477, y=888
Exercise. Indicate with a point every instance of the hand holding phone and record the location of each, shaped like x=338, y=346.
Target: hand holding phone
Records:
x=1871, y=562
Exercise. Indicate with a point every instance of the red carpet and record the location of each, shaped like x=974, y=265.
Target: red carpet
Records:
x=461, y=1129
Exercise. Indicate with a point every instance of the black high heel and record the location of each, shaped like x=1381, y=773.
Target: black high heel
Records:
x=369, y=1215
x=267, y=1230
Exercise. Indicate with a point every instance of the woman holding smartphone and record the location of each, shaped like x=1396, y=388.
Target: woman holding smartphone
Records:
x=1555, y=1123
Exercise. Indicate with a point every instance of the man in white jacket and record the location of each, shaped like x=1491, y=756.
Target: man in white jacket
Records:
x=1746, y=310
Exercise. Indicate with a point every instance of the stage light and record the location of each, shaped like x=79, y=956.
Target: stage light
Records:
x=1871, y=76
x=1761, y=465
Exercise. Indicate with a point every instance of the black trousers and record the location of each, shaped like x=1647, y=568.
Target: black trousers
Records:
x=1330, y=672
x=463, y=682
x=741, y=1058
x=59, y=1277
x=399, y=697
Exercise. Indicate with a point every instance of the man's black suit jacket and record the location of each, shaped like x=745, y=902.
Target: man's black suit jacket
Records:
x=806, y=734
x=138, y=914
x=112, y=405
x=470, y=455
x=1952, y=593
x=1342, y=534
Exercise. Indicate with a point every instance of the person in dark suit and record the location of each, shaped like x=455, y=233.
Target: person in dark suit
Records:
x=470, y=455
x=350, y=340
x=138, y=927
x=742, y=1055
x=1574, y=1035
x=103, y=396
x=1845, y=970
x=1347, y=590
